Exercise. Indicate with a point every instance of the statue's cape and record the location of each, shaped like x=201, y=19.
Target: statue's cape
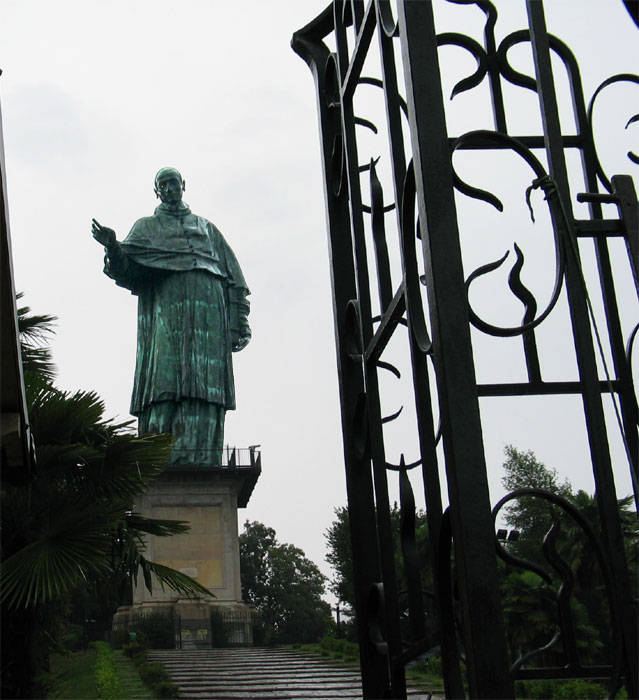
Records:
x=175, y=239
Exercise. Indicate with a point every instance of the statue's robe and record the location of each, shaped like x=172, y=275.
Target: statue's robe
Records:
x=191, y=307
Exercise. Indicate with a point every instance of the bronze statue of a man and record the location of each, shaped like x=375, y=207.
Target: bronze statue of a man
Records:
x=192, y=313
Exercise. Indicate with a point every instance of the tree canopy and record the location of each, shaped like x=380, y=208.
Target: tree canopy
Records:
x=529, y=595
x=285, y=586
x=340, y=553
x=548, y=536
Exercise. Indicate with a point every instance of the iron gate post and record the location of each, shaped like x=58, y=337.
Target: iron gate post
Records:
x=473, y=530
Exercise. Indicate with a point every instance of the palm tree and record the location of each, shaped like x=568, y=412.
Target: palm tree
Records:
x=70, y=521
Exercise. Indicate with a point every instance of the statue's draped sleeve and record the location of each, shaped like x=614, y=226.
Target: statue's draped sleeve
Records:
x=124, y=270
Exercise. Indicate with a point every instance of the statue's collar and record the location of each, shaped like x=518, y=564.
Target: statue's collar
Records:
x=179, y=211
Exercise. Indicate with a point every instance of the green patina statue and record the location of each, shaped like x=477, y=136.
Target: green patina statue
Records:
x=192, y=313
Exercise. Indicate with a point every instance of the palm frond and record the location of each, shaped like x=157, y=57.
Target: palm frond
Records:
x=175, y=580
x=34, y=333
x=59, y=416
x=127, y=464
x=34, y=327
x=155, y=526
x=75, y=545
x=38, y=360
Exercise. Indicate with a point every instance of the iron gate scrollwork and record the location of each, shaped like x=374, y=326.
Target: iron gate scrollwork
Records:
x=374, y=305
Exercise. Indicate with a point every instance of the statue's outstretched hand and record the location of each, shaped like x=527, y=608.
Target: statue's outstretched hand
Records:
x=102, y=234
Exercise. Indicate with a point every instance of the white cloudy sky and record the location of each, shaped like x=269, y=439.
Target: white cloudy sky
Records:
x=97, y=96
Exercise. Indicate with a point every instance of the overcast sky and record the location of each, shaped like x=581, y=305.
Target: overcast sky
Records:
x=97, y=96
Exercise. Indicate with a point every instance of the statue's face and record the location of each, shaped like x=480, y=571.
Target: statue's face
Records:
x=169, y=188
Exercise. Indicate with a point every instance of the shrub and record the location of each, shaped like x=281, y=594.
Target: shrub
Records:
x=107, y=683
x=351, y=652
x=581, y=689
x=72, y=638
x=431, y=666
x=338, y=648
x=139, y=657
x=558, y=690
x=166, y=689
x=107, y=680
x=155, y=631
x=331, y=644
x=152, y=673
x=158, y=679
x=132, y=649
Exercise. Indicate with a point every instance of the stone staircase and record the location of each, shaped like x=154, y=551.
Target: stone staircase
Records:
x=261, y=674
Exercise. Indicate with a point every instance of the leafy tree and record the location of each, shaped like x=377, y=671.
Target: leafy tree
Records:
x=284, y=586
x=340, y=553
x=69, y=521
x=533, y=517
x=340, y=557
x=528, y=515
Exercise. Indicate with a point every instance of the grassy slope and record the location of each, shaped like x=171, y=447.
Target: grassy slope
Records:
x=73, y=679
x=72, y=675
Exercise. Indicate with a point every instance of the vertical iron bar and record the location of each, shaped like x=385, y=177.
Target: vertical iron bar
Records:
x=361, y=505
x=494, y=74
x=474, y=536
x=593, y=406
x=384, y=532
x=378, y=226
x=627, y=400
x=421, y=381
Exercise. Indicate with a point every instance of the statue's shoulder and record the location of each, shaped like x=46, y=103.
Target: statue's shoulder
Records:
x=146, y=221
x=208, y=226
x=205, y=223
x=141, y=229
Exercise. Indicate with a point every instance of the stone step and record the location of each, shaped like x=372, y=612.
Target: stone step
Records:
x=261, y=674
x=257, y=674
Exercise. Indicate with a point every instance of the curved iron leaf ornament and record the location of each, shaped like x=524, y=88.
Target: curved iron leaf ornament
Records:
x=633, y=157
x=478, y=52
x=414, y=306
x=563, y=573
x=629, y=351
x=514, y=76
x=530, y=321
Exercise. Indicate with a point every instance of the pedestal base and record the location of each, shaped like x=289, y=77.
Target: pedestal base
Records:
x=207, y=498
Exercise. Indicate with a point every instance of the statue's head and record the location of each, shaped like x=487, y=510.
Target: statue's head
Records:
x=169, y=185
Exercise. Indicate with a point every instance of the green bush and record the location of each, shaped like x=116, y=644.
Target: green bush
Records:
x=166, y=689
x=72, y=638
x=107, y=680
x=139, y=657
x=158, y=679
x=351, y=652
x=331, y=644
x=338, y=648
x=107, y=683
x=132, y=649
x=560, y=690
x=152, y=673
x=584, y=690
x=155, y=631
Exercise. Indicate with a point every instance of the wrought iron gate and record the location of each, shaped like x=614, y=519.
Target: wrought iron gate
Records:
x=377, y=295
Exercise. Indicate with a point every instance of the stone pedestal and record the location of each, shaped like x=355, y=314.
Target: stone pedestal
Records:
x=207, y=498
